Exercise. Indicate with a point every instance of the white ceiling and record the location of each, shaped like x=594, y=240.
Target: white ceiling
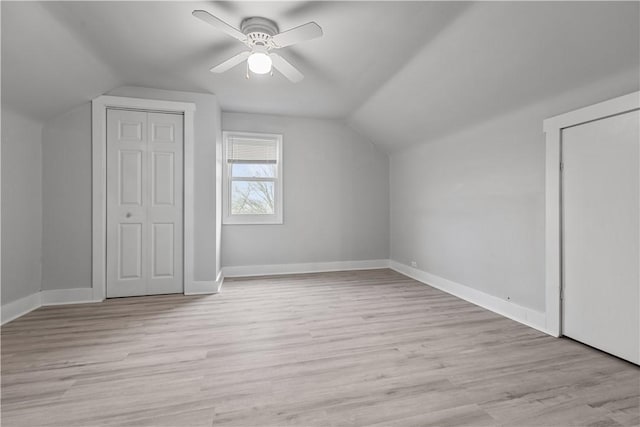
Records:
x=67, y=46
x=397, y=71
x=497, y=57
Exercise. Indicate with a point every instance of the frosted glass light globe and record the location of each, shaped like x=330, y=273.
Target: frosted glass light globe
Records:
x=259, y=63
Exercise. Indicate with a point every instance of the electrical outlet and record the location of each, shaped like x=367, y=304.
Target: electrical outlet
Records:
x=414, y=264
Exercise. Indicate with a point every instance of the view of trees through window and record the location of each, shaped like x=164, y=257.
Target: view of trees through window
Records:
x=253, y=189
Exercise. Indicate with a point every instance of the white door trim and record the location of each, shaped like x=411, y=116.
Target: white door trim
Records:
x=553, y=241
x=99, y=183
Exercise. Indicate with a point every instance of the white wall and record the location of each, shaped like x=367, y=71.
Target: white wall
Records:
x=21, y=206
x=66, y=200
x=469, y=207
x=67, y=189
x=336, y=196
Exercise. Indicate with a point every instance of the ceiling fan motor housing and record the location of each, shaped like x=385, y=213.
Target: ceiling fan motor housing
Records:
x=259, y=31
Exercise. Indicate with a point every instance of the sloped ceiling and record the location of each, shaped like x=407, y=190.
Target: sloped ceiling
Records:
x=56, y=50
x=46, y=67
x=498, y=56
x=400, y=72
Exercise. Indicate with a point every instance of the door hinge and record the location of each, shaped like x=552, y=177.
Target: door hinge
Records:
x=561, y=166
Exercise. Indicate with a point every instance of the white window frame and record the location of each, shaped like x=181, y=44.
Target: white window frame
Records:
x=227, y=217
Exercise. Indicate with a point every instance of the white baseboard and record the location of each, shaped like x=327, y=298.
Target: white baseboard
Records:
x=219, y=281
x=206, y=287
x=18, y=308
x=68, y=296
x=524, y=315
x=308, y=267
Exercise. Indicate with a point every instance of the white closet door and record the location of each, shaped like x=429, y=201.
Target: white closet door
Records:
x=601, y=234
x=144, y=203
x=164, y=201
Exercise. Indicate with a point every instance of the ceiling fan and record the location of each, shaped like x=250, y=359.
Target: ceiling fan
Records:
x=262, y=37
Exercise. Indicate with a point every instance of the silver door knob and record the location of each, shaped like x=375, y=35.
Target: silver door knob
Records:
x=128, y=215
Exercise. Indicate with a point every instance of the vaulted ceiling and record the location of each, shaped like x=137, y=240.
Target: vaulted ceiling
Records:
x=397, y=71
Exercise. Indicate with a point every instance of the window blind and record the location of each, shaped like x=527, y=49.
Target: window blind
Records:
x=245, y=150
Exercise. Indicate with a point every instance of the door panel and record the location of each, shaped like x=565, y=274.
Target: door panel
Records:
x=144, y=203
x=163, y=166
x=162, y=238
x=165, y=201
x=131, y=129
x=130, y=171
x=601, y=234
x=163, y=131
x=130, y=257
x=126, y=185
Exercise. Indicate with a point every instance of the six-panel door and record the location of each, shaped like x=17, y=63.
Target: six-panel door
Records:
x=144, y=203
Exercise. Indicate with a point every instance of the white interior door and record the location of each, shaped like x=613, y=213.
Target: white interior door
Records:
x=144, y=203
x=601, y=234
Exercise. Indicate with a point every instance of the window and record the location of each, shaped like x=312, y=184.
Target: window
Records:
x=252, y=178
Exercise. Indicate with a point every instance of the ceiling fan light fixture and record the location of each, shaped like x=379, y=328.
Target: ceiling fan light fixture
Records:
x=262, y=37
x=259, y=63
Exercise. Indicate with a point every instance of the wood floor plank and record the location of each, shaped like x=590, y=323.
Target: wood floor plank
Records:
x=330, y=349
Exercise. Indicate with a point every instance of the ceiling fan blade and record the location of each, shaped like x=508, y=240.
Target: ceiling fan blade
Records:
x=231, y=62
x=308, y=31
x=288, y=70
x=219, y=24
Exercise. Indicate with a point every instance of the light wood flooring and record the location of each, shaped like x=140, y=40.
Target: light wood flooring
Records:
x=333, y=349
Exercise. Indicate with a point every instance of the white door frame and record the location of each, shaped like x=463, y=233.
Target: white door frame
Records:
x=553, y=196
x=99, y=184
